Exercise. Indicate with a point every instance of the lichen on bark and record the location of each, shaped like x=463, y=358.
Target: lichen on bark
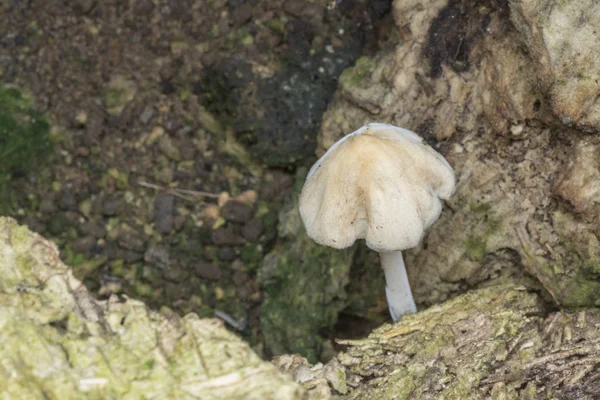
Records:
x=60, y=343
x=497, y=343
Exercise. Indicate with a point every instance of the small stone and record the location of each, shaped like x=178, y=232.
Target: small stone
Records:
x=223, y=198
x=128, y=240
x=111, y=206
x=240, y=278
x=58, y=224
x=94, y=228
x=276, y=185
x=84, y=244
x=67, y=201
x=93, y=130
x=305, y=10
x=85, y=208
x=156, y=134
x=130, y=256
x=165, y=175
x=211, y=212
x=226, y=236
x=253, y=229
x=172, y=122
x=47, y=205
x=206, y=270
x=176, y=274
x=237, y=212
x=34, y=224
x=81, y=118
x=249, y=197
x=241, y=14
x=168, y=148
x=179, y=222
x=163, y=212
x=227, y=254
x=157, y=255
x=188, y=151
x=83, y=6
x=147, y=115
x=82, y=151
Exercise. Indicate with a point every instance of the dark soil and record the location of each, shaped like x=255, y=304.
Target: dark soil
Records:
x=177, y=127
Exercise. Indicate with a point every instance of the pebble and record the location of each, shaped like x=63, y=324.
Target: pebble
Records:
x=147, y=115
x=176, y=274
x=67, y=201
x=226, y=236
x=130, y=256
x=165, y=175
x=58, y=224
x=47, y=205
x=83, y=6
x=249, y=197
x=82, y=151
x=188, y=151
x=206, y=270
x=179, y=222
x=128, y=240
x=253, y=229
x=240, y=277
x=241, y=14
x=163, y=212
x=168, y=148
x=84, y=244
x=111, y=206
x=236, y=211
x=227, y=254
x=157, y=255
x=223, y=199
x=94, y=228
x=276, y=185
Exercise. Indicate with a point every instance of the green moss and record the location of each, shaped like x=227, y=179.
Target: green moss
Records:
x=118, y=93
x=24, y=141
x=252, y=255
x=276, y=25
x=87, y=267
x=121, y=178
x=72, y=258
x=476, y=247
x=355, y=75
x=112, y=97
x=480, y=208
x=304, y=290
x=580, y=292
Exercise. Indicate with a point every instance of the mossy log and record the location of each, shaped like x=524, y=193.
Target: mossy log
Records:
x=60, y=343
x=494, y=343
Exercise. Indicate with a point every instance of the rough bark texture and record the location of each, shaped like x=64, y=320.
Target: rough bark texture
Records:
x=562, y=38
x=490, y=84
x=59, y=343
x=488, y=344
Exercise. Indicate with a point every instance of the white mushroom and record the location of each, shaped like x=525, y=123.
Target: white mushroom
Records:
x=383, y=184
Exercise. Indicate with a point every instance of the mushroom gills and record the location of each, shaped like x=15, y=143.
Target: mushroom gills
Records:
x=397, y=288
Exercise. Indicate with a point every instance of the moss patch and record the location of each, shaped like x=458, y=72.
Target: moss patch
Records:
x=357, y=74
x=24, y=141
x=304, y=288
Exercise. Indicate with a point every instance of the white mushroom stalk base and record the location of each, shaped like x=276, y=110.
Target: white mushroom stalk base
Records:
x=397, y=287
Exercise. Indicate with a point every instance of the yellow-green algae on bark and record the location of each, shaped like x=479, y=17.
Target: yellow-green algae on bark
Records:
x=60, y=343
x=494, y=343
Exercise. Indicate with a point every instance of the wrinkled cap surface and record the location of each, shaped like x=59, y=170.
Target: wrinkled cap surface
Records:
x=380, y=183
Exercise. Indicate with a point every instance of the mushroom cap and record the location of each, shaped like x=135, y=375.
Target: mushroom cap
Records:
x=380, y=183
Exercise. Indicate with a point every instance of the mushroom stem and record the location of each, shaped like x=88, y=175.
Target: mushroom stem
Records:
x=397, y=287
